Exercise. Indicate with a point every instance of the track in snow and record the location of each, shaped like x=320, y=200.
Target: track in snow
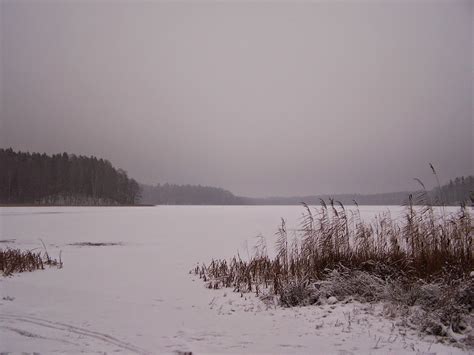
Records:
x=108, y=339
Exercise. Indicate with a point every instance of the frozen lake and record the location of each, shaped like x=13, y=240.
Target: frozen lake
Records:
x=138, y=297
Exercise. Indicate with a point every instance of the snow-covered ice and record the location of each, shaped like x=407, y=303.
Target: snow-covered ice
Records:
x=138, y=297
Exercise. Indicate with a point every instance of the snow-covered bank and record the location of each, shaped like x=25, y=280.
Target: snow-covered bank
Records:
x=137, y=296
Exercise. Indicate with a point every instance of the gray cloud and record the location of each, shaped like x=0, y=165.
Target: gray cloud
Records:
x=261, y=98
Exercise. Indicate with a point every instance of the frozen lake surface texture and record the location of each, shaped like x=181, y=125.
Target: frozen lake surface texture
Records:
x=138, y=297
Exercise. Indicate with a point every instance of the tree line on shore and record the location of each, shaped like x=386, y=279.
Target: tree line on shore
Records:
x=457, y=191
x=34, y=178
x=68, y=179
x=172, y=194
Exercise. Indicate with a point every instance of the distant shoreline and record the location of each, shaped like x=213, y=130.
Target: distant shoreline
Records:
x=206, y=205
x=53, y=205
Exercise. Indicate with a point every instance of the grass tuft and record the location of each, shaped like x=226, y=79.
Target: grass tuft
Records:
x=16, y=260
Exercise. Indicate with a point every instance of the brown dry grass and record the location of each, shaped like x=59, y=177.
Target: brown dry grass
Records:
x=424, y=245
x=16, y=260
x=423, y=262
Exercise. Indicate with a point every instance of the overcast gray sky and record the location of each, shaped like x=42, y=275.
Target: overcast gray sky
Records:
x=262, y=98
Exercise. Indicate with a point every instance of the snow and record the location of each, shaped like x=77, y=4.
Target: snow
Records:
x=138, y=297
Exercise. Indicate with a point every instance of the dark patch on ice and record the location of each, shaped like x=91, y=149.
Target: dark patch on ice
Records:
x=291, y=345
x=91, y=244
x=7, y=240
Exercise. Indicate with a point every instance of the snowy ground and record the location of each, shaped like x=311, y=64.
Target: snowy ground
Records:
x=137, y=297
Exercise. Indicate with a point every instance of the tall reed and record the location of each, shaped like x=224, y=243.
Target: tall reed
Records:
x=424, y=244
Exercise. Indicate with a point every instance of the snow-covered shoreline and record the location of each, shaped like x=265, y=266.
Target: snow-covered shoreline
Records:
x=138, y=297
